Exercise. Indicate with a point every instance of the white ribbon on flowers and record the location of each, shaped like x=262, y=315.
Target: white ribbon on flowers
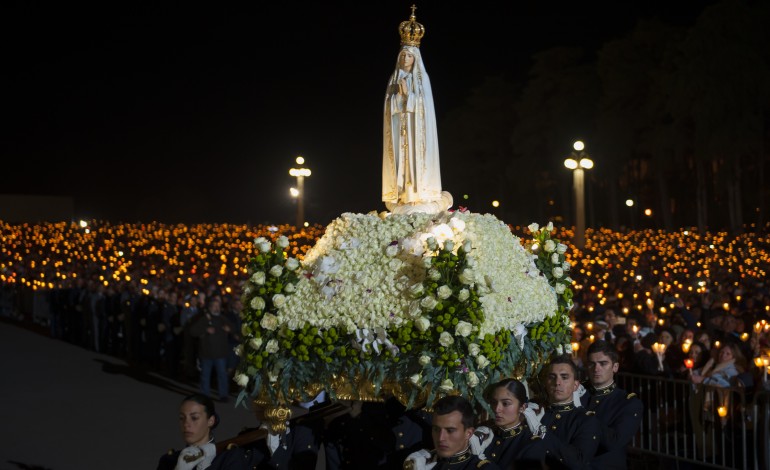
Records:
x=377, y=338
x=519, y=332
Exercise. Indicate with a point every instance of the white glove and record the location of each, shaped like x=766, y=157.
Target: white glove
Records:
x=480, y=440
x=209, y=452
x=419, y=461
x=533, y=414
x=581, y=390
x=189, y=457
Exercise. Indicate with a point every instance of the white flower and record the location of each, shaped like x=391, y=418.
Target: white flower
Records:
x=245, y=329
x=263, y=247
x=417, y=289
x=427, y=262
x=282, y=242
x=566, y=266
x=463, y=329
x=391, y=250
x=238, y=350
x=276, y=270
x=446, y=339
x=467, y=246
x=241, y=379
x=449, y=245
x=549, y=227
x=533, y=227
x=269, y=322
x=272, y=346
x=272, y=376
x=434, y=274
x=289, y=288
x=558, y=272
x=257, y=303
x=482, y=361
x=467, y=277
x=559, y=288
x=561, y=248
x=446, y=386
x=428, y=302
x=444, y=292
x=560, y=349
x=259, y=240
x=474, y=349
x=457, y=224
x=416, y=379
x=279, y=300
x=432, y=243
x=555, y=258
x=292, y=264
x=567, y=348
x=258, y=278
x=442, y=232
x=422, y=324
x=424, y=360
x=463, y=295
x=255, y=343
x=472, y=379
x=549, y=246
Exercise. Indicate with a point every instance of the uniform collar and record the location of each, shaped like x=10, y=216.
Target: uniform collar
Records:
x=562, y=407
x=513, y=431
x=606, y=390
x=458, y=457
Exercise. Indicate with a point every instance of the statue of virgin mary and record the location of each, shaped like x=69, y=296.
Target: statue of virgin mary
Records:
x=411, y=175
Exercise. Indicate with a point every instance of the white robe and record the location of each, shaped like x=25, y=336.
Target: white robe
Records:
x=410, y=160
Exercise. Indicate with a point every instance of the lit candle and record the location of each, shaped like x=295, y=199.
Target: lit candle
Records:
x=757, y=327
x=589, y=326
x=759, y=362
x=686, y=346
x=717, y=344
x=689, y=363
x=722, y=410
x=635, y=329
x=745, y=337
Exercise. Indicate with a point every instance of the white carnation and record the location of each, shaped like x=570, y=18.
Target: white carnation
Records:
x=241, y=379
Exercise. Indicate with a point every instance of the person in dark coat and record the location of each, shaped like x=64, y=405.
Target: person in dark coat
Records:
x=619, y=413
x=211, y=329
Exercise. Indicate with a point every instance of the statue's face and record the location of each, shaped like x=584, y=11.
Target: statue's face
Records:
x=406, y=60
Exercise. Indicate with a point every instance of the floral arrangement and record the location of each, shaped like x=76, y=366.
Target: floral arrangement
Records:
x=435, y=304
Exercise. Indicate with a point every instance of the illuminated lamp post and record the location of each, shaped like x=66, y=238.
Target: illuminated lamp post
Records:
x=299, y=192
x=578, y=162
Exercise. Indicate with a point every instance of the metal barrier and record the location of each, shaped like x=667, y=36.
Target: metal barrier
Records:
x=705, y=425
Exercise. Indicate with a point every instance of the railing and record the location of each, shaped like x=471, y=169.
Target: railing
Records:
x=706, y=425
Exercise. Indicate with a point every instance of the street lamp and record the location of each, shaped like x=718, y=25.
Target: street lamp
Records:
x=578, y=162
x=300, y=173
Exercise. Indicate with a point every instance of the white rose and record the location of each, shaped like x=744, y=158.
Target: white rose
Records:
x=282, y=242
x=276, y=270
x=269, y=322
x=424, y=360
x=279, y=300
x=241, y=379
x=391, y=250
x=463, y=329
x=561, y=248
x=428, y=302
x=434, y=275
x=467, y=276
x=566, y=266
x=255, y=343
x=417, y=290
x=446, y=386
x=272, y=346
x=449, y=245
x=263, y=247
x=444, y=292
x=289, y=288
x=567, y=347
x=549, y=227
x=422, y=324
x=558, y=272
x=257, y=303
x=467, y=246
x=560, y=349
x=258, y=278
x=259, y=240
x=555, y=258
x=463, y=295
x=533, y=227
x=472, y=379
x=482, y=361
x=416, y=379
x=560, y=288
x=474, y=349
x=445, y=339
x=427, y=262
x=292, y=264
x=549, y=246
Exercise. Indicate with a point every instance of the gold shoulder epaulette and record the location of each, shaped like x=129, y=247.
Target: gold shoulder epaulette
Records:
x=590, y=413
x=232, y=445
x=482, y=463
x=630, y=395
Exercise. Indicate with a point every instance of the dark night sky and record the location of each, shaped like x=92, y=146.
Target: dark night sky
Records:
x=194, y=112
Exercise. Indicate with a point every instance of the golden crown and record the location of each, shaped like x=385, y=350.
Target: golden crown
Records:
x=411, y=31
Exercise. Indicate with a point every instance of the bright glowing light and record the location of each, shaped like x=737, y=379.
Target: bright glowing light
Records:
x=578, y=145
x=83, y=224
x=586, y=163
x=630, y=202
x=648, y=212
x=571, y=163
x=294, y=192
x=300, y=160
x=299, y=172
x=307, y=224
x=495, y=203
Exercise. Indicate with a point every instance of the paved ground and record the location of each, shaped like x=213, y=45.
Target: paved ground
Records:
x=63, y=407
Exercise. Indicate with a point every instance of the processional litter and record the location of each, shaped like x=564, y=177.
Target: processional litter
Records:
x=416, y=302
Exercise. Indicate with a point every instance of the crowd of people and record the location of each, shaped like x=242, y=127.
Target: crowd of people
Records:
x=671, y=305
